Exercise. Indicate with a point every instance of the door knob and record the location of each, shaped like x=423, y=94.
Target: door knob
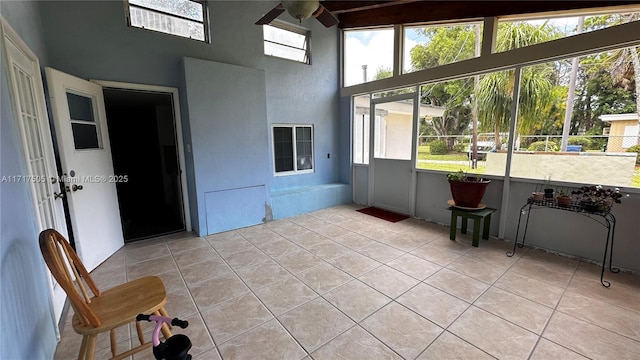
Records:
x=76, y=187
x=58, y=196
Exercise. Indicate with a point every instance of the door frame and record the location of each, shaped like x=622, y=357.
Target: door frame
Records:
x=7, y=33
x=178, y=127
x=415, y=96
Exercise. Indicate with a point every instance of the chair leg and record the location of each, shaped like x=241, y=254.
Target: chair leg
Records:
x=83, y=348
x=165, y=329
x=91, y=347
x=114, y=342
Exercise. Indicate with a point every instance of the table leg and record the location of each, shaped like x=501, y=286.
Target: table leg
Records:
x=464, y=225
x=454, y=225
x=487, y=225
x=476, y=230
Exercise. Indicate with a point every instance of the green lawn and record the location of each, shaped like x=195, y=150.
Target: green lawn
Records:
x=636, y=178
x=425, y=154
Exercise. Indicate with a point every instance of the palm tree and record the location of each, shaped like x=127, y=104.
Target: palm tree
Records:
x=494, y=91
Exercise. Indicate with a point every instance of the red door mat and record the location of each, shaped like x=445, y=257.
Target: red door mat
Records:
x=383, y=214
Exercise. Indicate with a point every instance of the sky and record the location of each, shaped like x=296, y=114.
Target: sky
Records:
x=374, y=48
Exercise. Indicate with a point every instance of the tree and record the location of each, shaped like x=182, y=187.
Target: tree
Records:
x=494, y=91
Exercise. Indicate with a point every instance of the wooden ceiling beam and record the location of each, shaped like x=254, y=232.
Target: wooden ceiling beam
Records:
x=433, y=11
x=341, y=7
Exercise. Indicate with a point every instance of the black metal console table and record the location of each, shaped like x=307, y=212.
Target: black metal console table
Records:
x=605, y=218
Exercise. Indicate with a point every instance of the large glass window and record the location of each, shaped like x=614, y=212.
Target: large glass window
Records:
x=368, y=55
x=292, y=149
x=361, y=129
x=287, y=42
x=431, y=46
x=186, y=18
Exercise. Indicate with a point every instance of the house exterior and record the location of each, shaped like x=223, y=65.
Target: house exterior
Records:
x=623, y=132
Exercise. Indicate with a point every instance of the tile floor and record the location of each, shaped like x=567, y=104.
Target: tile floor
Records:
x=339, y=284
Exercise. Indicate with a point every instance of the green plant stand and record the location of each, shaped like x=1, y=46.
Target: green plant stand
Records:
x=478, y=216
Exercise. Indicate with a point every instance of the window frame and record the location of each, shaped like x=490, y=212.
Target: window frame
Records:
x=293, y=29
x=295, y=170
x=205, y=19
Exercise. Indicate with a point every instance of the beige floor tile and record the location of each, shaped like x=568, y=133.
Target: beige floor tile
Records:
x=234, y=317
x=414, y=266
x=355, y=264
x=518, y=310
x=215, y=290
x=535, y=290
x=353, y=241
x=263, y=236
x=449, y=346
x=285, y=228
x=315, y=323
x=328, y=250
x=224, y=236
x=494, y=253
x=245, y=258
x=436, y=255
x=388, y=281
x=180, y=304
x=620, y=320
x=324, y=277
x=299, y=261
x=355, y=225
x=461, y=245
x=283, y=295
x=546, y=350
x=279, y=247
x=263, y=274
x=268, y=341
x=458, y=285
x=402, y=329
x=330, y=230
x=193, y=256
x=406, y=241
x=381, y=252
x=151, y=267
x=435, y=305
x=208, y=355
x=476, y=269
x=226, y=247
x=172, y=280
x=147, y=253
x=549, y=272
x=204, y=270
x=589, y=340
x=623, y=296
x=109, y=277
x=307, y=221
x=356, y=299
x=355, y=343
x=190, y=243
x=307, y=239
x=493, y=334
x=378, y=232
x=592, y=271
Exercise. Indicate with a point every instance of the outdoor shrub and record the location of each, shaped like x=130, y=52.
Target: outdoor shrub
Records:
x=635, y=149
x=587, y=144
x=438, y=147
x=542, y=145
x=460, y=147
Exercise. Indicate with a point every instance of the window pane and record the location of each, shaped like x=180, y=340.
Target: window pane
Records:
x=368, y=55
x=285, y=52
x=80, y=107
x=184, y=8
x=393, y=130
x=283, y=148
x=287, y=44
x=361, y=129
x=151, y=20
x=85, y=136
x=430, y=46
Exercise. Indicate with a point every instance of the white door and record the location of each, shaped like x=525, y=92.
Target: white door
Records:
x=31, y=113
x=392, y=162
x=85, y=157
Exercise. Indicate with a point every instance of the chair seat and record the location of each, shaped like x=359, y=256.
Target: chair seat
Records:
x=120, y=305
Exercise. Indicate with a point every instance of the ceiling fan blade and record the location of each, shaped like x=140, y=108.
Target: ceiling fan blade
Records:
x=271, y=15
x=325, y=16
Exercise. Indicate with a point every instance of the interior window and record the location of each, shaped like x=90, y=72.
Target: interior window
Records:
x=287, y=42
x=186, y=18
x=292, y=149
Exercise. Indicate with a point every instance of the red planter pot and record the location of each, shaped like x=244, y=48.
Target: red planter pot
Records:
x=468, y=193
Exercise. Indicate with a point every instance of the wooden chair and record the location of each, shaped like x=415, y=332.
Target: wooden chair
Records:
x=106, y=310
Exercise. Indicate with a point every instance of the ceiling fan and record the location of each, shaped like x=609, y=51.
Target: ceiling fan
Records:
x=301, y=10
